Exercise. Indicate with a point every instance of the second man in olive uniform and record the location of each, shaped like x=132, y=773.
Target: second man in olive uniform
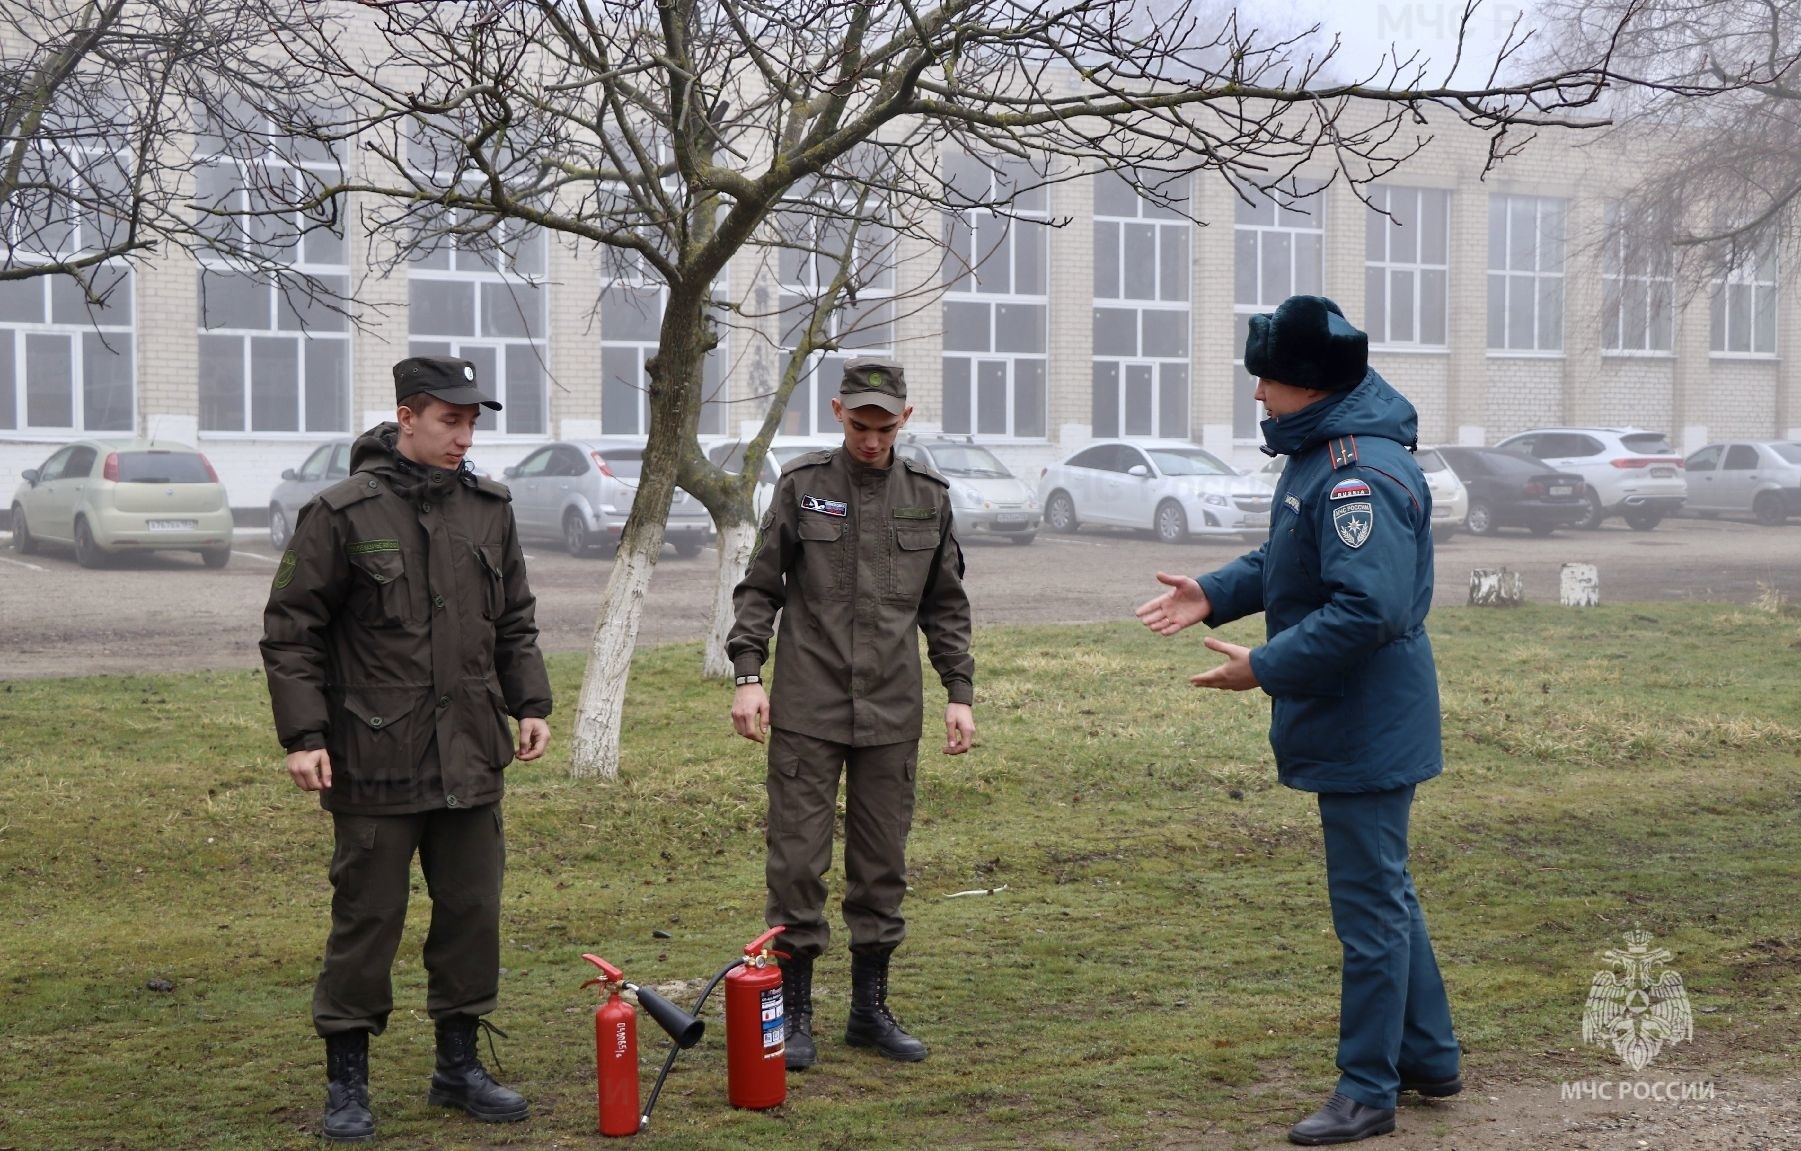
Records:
x=858, y=553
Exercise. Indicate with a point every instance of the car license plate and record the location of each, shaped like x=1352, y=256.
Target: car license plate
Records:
x=1562, y=490
x=1663, y=473
x=171, y=525
x=1009, y=519
x=1256, y=519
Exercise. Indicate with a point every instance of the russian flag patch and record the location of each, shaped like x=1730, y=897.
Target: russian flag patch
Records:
x=1349, y=489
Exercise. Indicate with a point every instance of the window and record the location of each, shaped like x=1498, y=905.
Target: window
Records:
x=274, y=352
x=1743, y=306
x=1278, y=252
x=1637, y=287
x=1704, y=460
x=66, y=365
x=481, y=297
x=814, y=240
x=996, y=304
x=1740, y=458
x=1406, y=271
x=1141, y=317
x=1525, y=274
x=631, y=321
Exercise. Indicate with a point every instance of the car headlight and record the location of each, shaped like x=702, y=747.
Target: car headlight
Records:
x=969, y=497
x=1215, y=499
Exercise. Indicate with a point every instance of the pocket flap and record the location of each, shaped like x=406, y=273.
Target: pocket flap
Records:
x=915, y=540
x=382, y=567
x=377, y=708
x=489, y=554
x=812, y=529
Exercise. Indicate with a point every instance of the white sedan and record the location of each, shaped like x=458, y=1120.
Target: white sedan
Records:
x=1450, y=499
x=1171, y=487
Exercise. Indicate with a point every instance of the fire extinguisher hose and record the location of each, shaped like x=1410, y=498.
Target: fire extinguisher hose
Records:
x=651, y=1102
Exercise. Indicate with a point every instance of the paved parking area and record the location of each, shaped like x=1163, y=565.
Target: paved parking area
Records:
x=167, y=612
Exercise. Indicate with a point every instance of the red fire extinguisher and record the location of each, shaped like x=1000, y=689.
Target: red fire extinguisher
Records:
x=756, y=1073
x=615, y=1052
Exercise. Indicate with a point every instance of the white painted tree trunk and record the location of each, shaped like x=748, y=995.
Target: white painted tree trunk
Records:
x=1580, y=585
x=594, y=751
x=735, y=543
x=1496, y=587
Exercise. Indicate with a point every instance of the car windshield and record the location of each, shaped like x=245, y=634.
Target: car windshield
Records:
x=967, y=462
x=1648, y=444
x=1506, y=463
x=624, y=463
x=1188, y=462
x=162, y=468
x=1430, y=461
x=1790, y=453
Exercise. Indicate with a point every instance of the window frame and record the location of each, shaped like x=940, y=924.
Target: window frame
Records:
x=1537, y=275
x=1757, y=274
x=1388, y=268
x=1167, y=226
x=1307, y=199
x=1655, y=272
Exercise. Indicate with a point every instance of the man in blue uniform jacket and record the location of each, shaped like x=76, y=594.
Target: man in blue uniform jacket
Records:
x=1344, y=582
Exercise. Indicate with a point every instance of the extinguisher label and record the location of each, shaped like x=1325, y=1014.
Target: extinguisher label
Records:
x=772, y=1017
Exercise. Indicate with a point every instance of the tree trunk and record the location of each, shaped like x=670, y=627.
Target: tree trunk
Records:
x=595, y=748
x=735, y=543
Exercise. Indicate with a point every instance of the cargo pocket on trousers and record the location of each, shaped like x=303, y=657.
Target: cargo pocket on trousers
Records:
x=353, y=845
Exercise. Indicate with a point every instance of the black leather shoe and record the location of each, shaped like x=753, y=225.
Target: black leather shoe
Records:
x=347, y=1117
x=871, y=1024
x=1342, y=1120
x=1433, y=1088
x=797, y=1013
x=461, y=1081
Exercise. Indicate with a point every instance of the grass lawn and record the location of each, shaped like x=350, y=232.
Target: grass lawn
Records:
x=1159, y=968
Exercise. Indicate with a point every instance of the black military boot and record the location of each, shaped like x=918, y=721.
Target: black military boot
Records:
x=871, y=1024
x=460, y=1079
x=347, y=1118
x=797, y=1012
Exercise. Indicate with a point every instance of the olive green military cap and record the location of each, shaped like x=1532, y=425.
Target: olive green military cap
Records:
x=874, y=383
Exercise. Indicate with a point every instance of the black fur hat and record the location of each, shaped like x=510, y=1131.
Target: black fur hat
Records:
x=1307, y=343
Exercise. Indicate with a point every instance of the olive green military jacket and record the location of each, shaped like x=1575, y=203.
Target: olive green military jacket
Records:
x=855, y=559
x=400, y=612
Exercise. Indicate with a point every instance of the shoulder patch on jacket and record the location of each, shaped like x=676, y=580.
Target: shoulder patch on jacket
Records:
x=920, y=469
x=359, y=487
x=493, y=488
x=1343, y=451
x=1349, y=489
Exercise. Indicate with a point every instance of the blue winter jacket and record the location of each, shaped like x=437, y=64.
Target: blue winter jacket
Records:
x=1344, y=582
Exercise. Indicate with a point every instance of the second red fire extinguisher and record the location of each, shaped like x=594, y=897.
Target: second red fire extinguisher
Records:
x=755, y=1040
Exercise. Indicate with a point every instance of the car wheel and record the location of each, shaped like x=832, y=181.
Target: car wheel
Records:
x=575, y=533
x=1060, y=513
x=23, y=543
x=1643, y=521
x=1023, y=537
x=1480, y=520
x=1171, y=523
x=1767, y=507
x=87, y=552
x=279, y=531
x=686, y=548
x=215, y=557
x=1592, y=514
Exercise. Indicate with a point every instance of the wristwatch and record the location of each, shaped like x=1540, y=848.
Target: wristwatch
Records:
x=753, y=677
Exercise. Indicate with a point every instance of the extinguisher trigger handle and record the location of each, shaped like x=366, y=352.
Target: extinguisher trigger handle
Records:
x=780, y=954
x=755, y=946
x=609, y=973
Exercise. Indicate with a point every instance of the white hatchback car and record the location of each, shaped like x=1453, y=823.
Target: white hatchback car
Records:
x=1627, y=472
x=1171, y=487
x=108, y=497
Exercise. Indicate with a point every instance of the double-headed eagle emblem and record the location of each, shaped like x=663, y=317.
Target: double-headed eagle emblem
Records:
x=1634, y=1012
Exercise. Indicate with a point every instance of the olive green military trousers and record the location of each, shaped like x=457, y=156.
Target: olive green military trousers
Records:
x=803, y=807
x=462, y=852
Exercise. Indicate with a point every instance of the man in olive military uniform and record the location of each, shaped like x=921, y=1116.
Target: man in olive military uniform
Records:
x=856, y=551
x=398, y=638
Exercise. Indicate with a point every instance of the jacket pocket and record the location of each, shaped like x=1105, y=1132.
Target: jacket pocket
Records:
x=378, y=734
x=824, y=558
x=910, y=563
x=495, y=736
x=494, y=594
x=379, y=596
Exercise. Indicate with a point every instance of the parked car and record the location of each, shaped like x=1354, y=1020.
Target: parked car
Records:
x=1627, y=472
x=1761, y=478
x=986, y=498
x=328, y=464
x=1171, y=487
x=106, y=497
x=1508, y=490
x=1450, y=499
x=783, y=450
x=579, y=492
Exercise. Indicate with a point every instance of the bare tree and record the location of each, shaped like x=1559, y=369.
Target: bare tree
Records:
x=1708, y=94
x=677, y=133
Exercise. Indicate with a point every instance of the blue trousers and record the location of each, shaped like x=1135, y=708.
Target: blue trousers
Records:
x=1394, y=1020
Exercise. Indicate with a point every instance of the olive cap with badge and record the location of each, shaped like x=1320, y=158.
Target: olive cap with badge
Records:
x=442, y=377
x=874, y=383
